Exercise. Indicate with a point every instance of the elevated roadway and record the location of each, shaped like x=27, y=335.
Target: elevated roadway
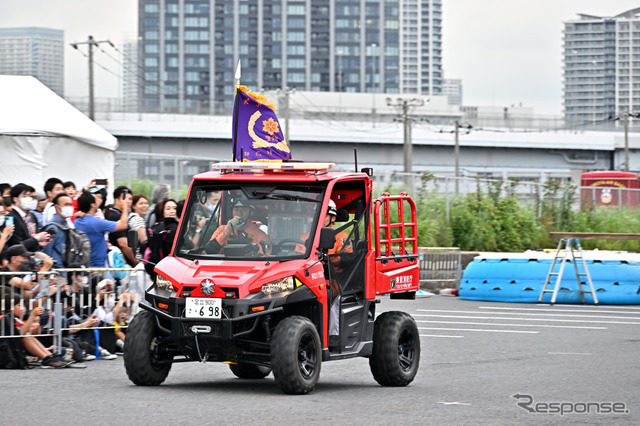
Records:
x=485, y=152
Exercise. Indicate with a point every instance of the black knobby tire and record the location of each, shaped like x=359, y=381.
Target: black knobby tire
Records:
x=296, y=355
x=249, y=371
x=396, y=349
x=140, y=352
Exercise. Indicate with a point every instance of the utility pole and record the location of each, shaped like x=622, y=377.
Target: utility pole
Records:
x=287, y=111
x=625, y=121
x=626, y=142
x=405, y=106
x=456, y=150
x=91, y=43
x=456, y=154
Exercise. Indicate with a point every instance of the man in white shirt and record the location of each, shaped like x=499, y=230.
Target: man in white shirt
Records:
x=52, y=187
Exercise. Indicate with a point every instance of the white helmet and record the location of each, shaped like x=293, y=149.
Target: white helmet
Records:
x=332, y=209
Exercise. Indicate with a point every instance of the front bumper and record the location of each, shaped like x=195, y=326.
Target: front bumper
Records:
x=240, y=335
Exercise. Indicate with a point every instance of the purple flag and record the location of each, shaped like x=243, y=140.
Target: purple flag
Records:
x=256, y=129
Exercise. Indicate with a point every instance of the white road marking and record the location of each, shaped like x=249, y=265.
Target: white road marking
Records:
x=560, y=310
x=525, y=319
x=478, y=329
x=532, y=314
x=441, y=335
x=452, y=403
x=514, y=325
x=594, y=307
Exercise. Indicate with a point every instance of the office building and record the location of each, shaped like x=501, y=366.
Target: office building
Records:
x=601, y=66
x=190, y=49
x=452, y=89
x=34, y=51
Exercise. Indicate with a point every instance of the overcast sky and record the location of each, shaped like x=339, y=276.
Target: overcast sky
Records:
x=507, y=52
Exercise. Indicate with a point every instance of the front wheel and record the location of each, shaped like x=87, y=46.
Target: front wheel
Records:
x=243, y=370
x=396, y=349
x=141, y=357
x=296, y=355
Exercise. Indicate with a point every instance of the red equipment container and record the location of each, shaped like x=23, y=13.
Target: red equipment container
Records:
x=609, y=189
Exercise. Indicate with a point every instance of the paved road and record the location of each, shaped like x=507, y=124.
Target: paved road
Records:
x=475, y=357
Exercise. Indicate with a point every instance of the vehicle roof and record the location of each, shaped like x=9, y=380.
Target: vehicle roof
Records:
x=310, y=172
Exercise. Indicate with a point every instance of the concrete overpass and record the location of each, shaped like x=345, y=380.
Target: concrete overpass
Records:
x=529, y=155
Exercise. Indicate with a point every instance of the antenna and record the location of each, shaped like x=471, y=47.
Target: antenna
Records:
x=355, y=157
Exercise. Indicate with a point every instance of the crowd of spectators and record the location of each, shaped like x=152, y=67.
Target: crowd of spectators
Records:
x=38, y=232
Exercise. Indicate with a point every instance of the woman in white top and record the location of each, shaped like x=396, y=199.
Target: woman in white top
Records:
x=139, y=207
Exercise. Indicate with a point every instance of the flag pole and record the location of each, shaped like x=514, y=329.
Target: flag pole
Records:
x=236, y=111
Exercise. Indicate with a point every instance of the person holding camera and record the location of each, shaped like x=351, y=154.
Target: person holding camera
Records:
x=29, y=286
x=122, y=199
x=6, y=227
x=95, y=228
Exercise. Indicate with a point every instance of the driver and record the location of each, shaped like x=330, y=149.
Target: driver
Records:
x=239, y=226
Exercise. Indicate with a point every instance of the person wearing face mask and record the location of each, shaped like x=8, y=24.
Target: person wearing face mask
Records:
x=5, y=191
x=26, y=230
x=63, y=206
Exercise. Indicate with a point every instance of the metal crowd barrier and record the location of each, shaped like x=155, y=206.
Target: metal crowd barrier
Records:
x=440, y=267
x=68, y=296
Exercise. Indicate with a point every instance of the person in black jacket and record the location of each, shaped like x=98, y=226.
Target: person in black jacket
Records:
x=26, y=230
x=162, y=233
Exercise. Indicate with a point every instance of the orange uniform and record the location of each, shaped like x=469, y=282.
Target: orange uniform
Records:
x=221, y=235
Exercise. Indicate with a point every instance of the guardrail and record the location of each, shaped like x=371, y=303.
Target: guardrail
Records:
x=440, y=267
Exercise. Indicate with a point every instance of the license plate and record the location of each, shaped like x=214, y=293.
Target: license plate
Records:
x=199, y=307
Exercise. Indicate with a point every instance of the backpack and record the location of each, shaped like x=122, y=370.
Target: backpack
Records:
x=117, y=261
x=12, y=353
x=77, y=247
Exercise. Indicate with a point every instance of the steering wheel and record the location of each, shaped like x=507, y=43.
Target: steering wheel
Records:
x=284, y=243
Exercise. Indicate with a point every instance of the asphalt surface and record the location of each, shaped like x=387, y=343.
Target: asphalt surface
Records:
x=476, y=356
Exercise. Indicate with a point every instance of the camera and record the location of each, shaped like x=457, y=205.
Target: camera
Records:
x=31, y=264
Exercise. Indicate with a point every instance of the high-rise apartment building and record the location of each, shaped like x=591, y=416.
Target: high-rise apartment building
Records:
x=131, y=76
x=190, y=48
x=38, y=52
x=601, y=66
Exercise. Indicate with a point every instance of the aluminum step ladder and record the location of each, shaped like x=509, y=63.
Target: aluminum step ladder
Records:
x=568, y=247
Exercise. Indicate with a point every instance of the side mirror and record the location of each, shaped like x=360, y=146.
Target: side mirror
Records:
x=132, y=239
x=327, y=238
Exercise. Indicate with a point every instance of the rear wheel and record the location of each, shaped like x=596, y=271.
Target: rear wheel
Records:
x=249, y=371
x=396, y=349
x=141, y=357
x=296, y=355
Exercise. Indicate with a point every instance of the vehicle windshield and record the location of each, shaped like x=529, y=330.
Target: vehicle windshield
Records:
x=249, y=220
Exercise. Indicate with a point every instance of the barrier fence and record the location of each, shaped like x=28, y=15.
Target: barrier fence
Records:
x=71, y=301
x=440, y=267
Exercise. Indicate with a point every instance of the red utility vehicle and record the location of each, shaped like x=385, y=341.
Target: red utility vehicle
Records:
x=287, y=303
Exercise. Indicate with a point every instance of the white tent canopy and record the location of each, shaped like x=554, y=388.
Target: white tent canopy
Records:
x=43, y=136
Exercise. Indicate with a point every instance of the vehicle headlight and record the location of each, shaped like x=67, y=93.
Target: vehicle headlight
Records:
x=163, y=283
x=284, y=285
